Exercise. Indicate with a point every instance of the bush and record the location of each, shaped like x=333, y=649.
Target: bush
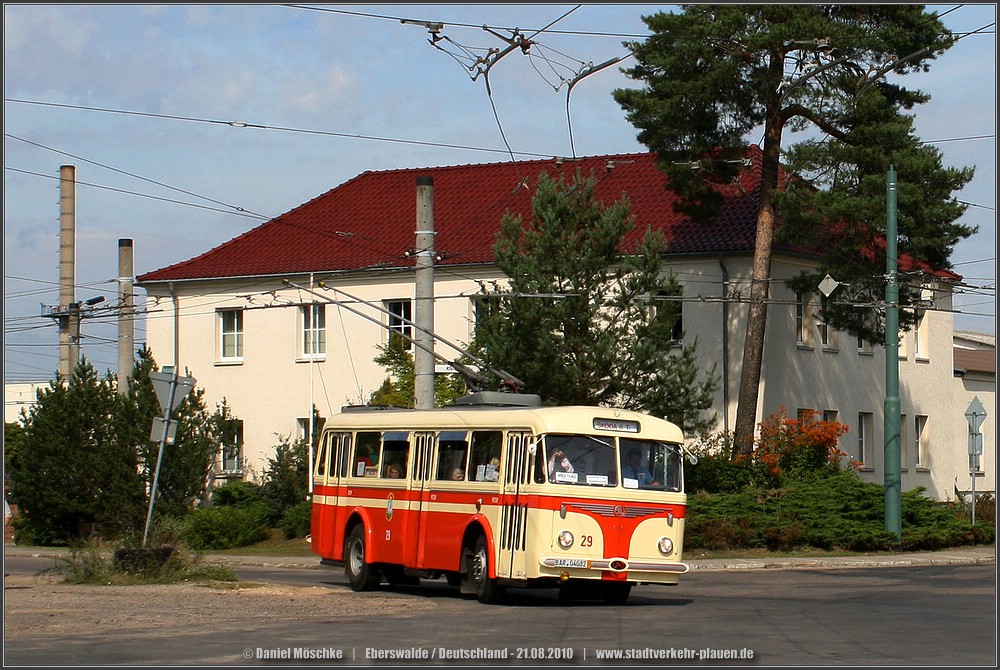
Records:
x=94, y=563
x=296, y=520
x=225, y=527
x=237, y=493
x=836, y=512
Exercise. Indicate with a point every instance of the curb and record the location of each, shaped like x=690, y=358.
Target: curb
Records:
x=980, y=555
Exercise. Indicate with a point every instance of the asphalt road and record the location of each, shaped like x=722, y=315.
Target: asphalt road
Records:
x=910, y=616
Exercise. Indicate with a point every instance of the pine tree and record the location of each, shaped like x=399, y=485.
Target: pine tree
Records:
x=74, y=474
x=715, y=75
x=186, y=463
x=397, y=389
x=584, y=322
x=84, y=460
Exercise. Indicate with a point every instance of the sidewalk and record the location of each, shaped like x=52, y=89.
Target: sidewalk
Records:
x=972, y=555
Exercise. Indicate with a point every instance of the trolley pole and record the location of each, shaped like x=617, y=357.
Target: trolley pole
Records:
x=893, y=496
x=423, y=317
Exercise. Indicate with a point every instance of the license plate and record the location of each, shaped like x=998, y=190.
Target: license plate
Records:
x=572, y=563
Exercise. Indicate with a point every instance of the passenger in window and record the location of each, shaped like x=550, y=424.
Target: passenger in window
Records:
x=559, y=463
x=634, y=469
x=457, y=475
x=393, y=471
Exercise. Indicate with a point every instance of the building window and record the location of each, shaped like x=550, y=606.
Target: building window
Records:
x=904, y=444
x=231, y=461
x=827, y=335
x=400, y=315
x=920, y=439
x=231, y=334
x=866, y=436
x=864, y=346
x=975, y=464
x=921, y=349
x=803, y=319
x=313, y=330
x=668, y=307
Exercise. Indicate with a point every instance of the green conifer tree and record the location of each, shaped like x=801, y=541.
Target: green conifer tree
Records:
x=715, y=76
x=585, y=322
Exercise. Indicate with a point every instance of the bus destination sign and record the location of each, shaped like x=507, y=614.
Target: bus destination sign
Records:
x=616, y=425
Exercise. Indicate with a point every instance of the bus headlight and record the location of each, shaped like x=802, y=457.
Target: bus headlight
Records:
x=666, y=546
x=565, y=539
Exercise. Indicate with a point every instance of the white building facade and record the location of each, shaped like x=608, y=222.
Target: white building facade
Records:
x=272, y=345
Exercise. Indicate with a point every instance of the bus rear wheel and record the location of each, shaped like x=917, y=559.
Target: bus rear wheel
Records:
x=362, y=576
x=487, y=590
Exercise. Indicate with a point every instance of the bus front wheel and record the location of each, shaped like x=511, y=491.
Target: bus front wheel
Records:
x=362, y=576
x=487, y=590
x=616, y=593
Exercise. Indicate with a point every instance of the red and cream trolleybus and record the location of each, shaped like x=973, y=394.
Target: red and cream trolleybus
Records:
x=497, y=491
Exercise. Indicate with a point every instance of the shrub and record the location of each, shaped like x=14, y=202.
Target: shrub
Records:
x=836, y=512
x=94, y=563
x=296, y=520
x=225, y=527
x=795, y=448
x=237, y=493
x=716, y=470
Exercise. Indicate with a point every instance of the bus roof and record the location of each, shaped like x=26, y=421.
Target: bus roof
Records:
x=564, y=419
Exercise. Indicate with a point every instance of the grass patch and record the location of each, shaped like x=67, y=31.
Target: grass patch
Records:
x=275, y=544
x=95, y=563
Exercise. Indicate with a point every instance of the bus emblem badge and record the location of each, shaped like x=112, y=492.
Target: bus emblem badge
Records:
x=619, y=510
x=388, y=508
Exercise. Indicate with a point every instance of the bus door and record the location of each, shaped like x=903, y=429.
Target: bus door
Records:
x=422, y=472
x=331, y=463
x=510, y=543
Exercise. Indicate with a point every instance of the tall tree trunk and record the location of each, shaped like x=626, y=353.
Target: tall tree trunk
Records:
x=753, y=346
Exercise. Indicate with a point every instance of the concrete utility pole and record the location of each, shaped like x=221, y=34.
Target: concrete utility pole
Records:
x=69, y=318
x=423, y=317
x=893, y=494
x=126, y=317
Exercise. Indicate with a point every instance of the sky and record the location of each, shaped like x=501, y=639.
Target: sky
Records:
x=189, y=125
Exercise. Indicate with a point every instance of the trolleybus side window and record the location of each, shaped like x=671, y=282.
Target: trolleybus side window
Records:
x=345, y=453
x=322, y=454
x=453, y=448
x=422, y=456
x=539, y=463
x=395, y=452
x=366, y=454
x=486, y=455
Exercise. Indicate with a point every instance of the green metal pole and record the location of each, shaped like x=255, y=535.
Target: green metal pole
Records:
x=893, y=496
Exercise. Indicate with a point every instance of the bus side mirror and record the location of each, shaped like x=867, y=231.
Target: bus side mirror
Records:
x=692, y=459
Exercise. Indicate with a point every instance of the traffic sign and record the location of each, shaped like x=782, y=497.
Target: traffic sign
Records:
x=161, y=384
x=157, y=432
x=975, y=414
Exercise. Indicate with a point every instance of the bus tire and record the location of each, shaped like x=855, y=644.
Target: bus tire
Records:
x=362, y=576
x=487, y=590
x=616, y=593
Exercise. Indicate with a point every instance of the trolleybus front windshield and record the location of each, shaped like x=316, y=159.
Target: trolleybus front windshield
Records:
x=604, y=461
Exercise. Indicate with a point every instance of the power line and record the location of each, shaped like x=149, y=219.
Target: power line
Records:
x=135, y=176
x=260, y=126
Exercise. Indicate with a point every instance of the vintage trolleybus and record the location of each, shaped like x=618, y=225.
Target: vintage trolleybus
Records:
x=496, y=491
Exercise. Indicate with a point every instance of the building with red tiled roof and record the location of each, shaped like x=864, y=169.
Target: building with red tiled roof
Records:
x=369, y=220
x=286, y=316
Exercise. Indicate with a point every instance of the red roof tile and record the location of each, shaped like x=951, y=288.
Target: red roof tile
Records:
x=369, y=221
